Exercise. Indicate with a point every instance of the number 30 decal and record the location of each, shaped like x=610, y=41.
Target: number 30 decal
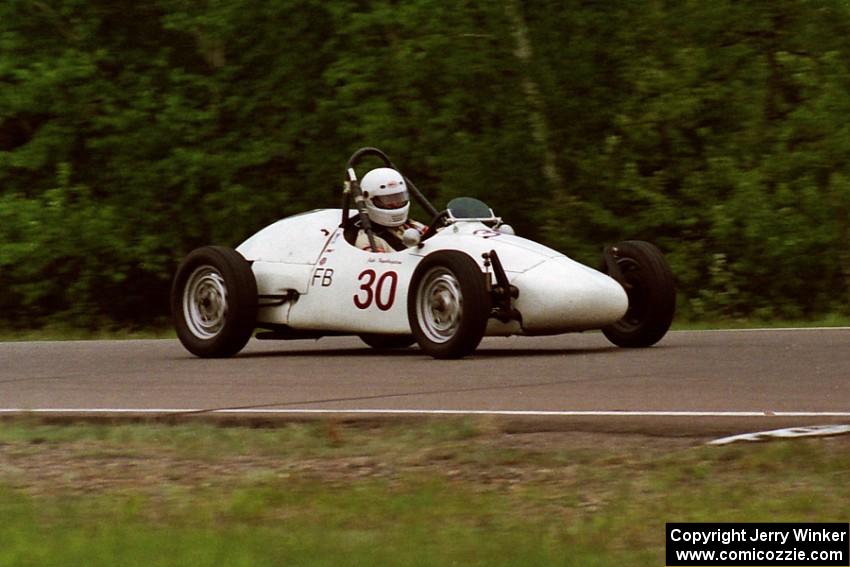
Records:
x=374, y=291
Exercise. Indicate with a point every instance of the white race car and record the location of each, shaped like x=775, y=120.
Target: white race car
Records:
x=468, y=277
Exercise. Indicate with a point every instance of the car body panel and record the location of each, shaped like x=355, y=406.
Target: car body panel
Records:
x=298, y=239
x=562, y=295
x=356, y=290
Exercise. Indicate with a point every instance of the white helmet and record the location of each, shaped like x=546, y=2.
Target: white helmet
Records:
x=385, y=191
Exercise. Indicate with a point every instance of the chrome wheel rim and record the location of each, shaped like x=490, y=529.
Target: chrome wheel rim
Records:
x=439, y=305
x=205, y=302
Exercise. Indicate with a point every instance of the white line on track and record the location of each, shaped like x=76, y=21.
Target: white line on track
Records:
x=379, y=411
x=787, y=433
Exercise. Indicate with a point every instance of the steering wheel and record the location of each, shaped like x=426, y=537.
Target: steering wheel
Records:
x=438, y=220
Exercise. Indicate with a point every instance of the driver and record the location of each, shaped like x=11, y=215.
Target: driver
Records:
x=387, y=205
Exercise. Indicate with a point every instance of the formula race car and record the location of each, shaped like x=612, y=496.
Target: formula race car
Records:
x=467, y=276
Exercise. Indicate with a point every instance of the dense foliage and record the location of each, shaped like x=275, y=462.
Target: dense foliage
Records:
x=132, y=132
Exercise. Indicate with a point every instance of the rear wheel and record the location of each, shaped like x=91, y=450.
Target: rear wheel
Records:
x=388, y=342
x=448, y=304
x=214, y=302
x=649, y=283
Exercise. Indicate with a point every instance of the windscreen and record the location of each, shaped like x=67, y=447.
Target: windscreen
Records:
x=469, y=208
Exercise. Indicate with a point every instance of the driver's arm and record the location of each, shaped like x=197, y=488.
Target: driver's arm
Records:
x=362, y=242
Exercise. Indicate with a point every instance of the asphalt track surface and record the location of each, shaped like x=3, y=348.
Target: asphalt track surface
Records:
x=692, y=383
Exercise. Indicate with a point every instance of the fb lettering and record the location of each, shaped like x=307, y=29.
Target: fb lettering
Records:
x=378, y=289
x=324, y=275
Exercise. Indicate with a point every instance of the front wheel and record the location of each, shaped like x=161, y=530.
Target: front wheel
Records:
x=448, y=304
x=214, y=302
x=649, y=284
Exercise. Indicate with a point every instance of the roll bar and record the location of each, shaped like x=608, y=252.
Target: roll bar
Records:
x=351, y=188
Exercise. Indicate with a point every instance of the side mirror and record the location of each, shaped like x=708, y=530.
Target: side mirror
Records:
x=506, y=229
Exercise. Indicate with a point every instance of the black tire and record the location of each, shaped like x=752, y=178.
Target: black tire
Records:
x=388, y=342
x=454, y=328
x=651, y=289
x=214, y=302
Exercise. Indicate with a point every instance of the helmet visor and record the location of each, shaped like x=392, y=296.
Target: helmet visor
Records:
x=392, y=201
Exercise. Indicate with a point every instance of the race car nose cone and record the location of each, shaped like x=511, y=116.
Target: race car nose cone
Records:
x=562, y=295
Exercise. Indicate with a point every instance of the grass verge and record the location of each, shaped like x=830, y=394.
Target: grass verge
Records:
x=834, y=320
x=442, y=492
x=69, y=333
